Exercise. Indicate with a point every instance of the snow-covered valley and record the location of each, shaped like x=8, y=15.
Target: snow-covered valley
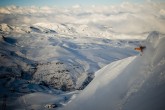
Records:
x=70, y=57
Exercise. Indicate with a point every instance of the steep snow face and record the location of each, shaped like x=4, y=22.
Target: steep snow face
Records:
x=135, y=83
x=151, y=94
x=42, y=47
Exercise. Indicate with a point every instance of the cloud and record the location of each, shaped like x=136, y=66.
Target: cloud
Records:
x=126, y=18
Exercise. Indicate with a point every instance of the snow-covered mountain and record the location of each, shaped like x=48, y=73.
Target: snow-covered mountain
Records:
x=55, y=59
x=35, y=59
x=55, y=52
x=134, y=83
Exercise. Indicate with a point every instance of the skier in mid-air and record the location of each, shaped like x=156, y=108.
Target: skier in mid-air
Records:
x=140, y=48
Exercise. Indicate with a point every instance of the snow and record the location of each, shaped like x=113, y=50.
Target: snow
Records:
x=134, y=83
x=53, y=53
x=126, y=20
x=36, y=101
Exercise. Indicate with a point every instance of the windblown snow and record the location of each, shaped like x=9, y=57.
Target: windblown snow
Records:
x=81, y=57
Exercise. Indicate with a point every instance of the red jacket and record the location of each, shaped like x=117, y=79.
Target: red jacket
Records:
x=141, y=48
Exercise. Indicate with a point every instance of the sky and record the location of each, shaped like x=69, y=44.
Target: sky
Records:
x=65, y=2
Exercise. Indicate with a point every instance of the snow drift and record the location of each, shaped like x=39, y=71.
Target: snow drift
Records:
x=134, y=83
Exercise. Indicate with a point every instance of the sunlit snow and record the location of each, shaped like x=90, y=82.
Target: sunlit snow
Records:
x=82, y=58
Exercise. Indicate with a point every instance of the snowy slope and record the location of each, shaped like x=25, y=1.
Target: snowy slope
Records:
x=47, y=51
x=134, y=83
x=55, y=59
x=42, y=61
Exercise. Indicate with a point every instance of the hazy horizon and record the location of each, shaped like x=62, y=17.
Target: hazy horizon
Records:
x=69, y=2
